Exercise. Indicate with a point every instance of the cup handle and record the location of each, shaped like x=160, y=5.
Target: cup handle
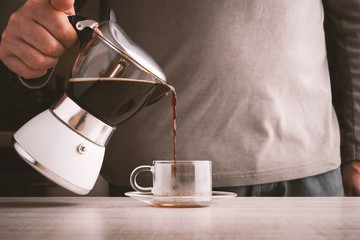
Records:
x=134, y=174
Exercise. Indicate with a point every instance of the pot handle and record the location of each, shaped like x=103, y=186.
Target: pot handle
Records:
x=83, y=27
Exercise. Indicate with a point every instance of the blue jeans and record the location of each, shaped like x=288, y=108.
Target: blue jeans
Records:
x=326, y=184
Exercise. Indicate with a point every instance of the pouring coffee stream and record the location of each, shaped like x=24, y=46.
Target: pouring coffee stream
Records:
x=173, y=104
x=66, y=143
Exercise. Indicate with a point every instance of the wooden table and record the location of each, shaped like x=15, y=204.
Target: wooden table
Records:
x=125, y=218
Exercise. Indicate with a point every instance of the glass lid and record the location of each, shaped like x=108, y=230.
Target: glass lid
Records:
x=115, y=36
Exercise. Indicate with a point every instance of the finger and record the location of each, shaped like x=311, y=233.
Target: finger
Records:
x=38, y=37
x=19, y=67
x=59, y=26
x=62, y=5
x=29, y=55
x=56, y=23
x=70, y=12
x=32, y=57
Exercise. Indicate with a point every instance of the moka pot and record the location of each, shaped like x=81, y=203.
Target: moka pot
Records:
x=112, y=79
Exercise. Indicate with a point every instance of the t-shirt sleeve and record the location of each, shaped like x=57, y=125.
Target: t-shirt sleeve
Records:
x=342, y=28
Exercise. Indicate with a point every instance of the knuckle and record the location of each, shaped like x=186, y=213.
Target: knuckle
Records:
x=51, y=48
x=32, y=6
x=4, y=38
x=9, y=39
x=14, y=19
x=38, y=62
x=61, y=33
x=65, y=34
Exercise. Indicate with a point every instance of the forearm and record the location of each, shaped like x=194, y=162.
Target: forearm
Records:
x=342, y=26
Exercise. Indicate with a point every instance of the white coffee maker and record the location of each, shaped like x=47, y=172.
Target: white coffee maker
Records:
x=66, y=143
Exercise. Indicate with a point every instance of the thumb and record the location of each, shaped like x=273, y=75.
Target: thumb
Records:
x=62, y=5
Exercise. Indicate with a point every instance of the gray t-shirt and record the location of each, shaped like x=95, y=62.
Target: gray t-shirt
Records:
x=253, y=89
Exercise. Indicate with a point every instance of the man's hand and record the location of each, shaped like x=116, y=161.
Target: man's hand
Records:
x=36, y=35
x=351, y=178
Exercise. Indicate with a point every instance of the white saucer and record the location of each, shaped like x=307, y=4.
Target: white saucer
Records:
x=183, y=201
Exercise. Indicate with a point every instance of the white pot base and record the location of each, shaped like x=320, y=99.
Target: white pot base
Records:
x=59, y=153
x=47, y=173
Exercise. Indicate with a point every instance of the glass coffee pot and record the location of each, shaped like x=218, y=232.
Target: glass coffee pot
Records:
x=111, y=80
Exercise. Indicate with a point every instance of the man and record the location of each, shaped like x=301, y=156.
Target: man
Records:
x=252, y=81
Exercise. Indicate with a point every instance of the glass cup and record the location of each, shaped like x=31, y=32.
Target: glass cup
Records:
x=185, y=182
